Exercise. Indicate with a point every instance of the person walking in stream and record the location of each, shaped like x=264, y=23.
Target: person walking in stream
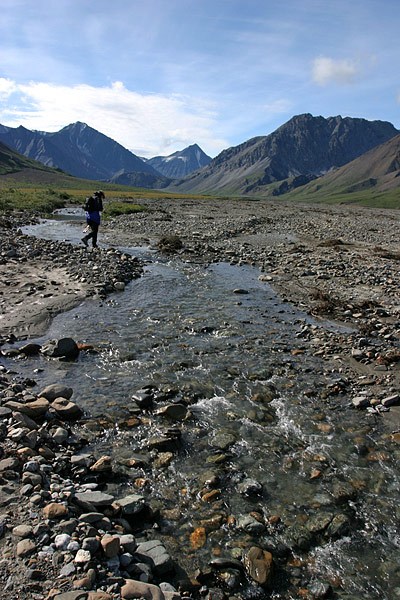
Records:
x=93, y=208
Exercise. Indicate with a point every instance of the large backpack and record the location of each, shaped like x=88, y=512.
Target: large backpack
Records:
x=90, y=204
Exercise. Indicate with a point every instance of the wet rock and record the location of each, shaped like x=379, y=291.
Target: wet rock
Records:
x=319, y=590
x=30, y=349
x=66, y=410
x=176, y=412
x=131, y=505
x=56, y=390
x=258, y=563
x=250, y=487
x=63, y=348
x=339, y=526
x=226, y=563
x=250, y=524
x=223, y=440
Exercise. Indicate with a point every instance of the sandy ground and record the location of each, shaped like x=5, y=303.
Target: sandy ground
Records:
x=31, y=294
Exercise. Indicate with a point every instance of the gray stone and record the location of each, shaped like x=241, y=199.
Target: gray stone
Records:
x=360, y=401
x=250, y=525
x=82, y=556
x=128, y=542
x=56, y=390
x=22, y=531
x=9, y=464
x=95, y=498
x=25, y=547
x=68, y=570
x=154, y=553
x=60, y=435
x=66, y=410
x=91, y=543
x=131, y=505
x=91, y=517
x=61, y=541
x=25, y=420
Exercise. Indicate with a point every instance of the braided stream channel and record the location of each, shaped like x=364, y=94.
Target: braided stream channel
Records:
x=265, y=458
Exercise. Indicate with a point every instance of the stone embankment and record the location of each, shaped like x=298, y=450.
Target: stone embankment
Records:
x=63, y=538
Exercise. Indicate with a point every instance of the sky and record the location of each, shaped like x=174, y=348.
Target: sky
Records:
x=159, y=75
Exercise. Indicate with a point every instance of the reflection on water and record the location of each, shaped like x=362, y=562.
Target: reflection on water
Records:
x=258, y=412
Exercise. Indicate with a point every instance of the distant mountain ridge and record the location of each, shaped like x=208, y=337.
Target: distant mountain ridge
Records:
x=12, y=162
x=78, y=150
x=180, y=163
x=84, y=152
x=376, y=171
x=304, y=147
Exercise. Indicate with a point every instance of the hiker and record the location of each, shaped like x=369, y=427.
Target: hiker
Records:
x=93, y=208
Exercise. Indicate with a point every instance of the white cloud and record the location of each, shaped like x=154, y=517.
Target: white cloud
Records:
x=146, y=124
x=327, y=70
x=7, y=87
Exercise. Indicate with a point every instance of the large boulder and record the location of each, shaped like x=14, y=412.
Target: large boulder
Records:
x=56, y=390
x=62, y=348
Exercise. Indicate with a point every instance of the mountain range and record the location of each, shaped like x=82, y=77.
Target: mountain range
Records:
x=181, y=163
x=309, y=155
x=84, y=152
x=302, y=149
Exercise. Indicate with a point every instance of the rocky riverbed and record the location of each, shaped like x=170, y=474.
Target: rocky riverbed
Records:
x=63, y=536
x=335, y=262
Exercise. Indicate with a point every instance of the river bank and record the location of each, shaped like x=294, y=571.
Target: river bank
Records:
x=327, y=261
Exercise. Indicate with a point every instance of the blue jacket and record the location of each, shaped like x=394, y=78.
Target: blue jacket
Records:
x=93, y=216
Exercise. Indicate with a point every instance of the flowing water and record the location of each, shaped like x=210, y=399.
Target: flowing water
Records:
x=259, y=412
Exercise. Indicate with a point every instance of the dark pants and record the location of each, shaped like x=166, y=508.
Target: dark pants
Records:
x=94, y=228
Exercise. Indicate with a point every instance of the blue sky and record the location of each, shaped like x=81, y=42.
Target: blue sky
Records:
x=158, y=75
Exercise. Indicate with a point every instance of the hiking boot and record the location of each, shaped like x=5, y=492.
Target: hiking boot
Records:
x=84, y=240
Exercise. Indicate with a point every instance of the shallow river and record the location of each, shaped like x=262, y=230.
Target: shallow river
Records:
x=260, y=412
